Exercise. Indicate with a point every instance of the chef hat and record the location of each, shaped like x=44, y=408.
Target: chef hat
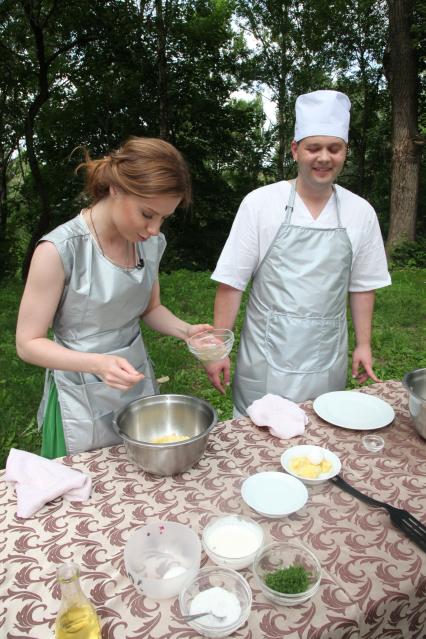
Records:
x=322, y=113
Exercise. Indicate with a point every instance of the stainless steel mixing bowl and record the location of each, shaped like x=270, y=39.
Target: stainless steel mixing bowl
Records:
x=155, y=416
x=415, y=383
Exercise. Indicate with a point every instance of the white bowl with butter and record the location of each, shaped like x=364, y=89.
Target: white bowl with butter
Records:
x=311, y=464
x=232, y=541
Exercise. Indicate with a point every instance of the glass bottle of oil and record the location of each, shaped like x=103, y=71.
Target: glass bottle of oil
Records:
x=77, y=618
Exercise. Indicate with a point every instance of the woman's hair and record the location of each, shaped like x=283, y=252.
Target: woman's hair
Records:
x=145, y=167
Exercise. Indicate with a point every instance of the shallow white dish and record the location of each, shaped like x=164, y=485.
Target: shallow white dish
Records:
x=303, y=451
x=354, y=410
x=274, y=494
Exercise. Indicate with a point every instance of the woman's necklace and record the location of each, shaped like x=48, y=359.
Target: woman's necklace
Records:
x=128, y=266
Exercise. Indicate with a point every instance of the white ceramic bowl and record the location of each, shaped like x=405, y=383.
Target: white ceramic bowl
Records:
x=232, y=541
x=161, y=557
x=274, y=494
x=302, y=451
x=282, y=554
x=217, y=578
x=211, y=345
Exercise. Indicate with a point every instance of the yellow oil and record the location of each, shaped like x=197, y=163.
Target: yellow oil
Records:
x=78, y=622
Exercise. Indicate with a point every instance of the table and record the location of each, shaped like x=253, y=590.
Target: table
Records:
x=374, y=578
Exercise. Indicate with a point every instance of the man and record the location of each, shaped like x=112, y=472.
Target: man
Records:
x=306, y=243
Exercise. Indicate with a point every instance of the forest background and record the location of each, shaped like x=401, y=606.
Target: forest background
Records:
x=94, y=72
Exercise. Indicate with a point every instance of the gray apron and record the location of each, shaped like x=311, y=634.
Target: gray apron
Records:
x=294, y=340
x=99, y=312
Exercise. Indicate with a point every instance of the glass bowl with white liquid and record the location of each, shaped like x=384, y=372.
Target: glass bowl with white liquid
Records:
x=232, y=540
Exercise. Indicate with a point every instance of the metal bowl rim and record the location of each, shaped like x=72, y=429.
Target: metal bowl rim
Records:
x=139, y=442
x=405, y=383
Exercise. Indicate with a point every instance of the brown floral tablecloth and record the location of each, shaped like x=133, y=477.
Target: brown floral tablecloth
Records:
x=374, y=578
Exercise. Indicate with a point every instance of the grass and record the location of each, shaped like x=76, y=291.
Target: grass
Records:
x=399, y=345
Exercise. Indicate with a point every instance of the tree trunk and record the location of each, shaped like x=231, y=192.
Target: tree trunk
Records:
x=41, y=97
x=405, y=151
x=3, y=213
x=162, y=70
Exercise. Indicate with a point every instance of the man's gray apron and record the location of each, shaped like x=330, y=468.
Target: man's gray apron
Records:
x=99, y=312
x=294, y=340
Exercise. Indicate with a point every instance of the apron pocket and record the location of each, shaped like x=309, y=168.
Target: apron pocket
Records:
x=134, y=353
x=295, y=344
x=87, y=411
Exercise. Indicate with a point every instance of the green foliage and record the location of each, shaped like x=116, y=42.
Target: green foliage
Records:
x=399, y=345
x=409, y=254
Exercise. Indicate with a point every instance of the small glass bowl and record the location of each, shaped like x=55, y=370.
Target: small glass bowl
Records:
x=373, y=443
x=210, y=578
x=230, y=525
x=282, y=554
x=211, y=345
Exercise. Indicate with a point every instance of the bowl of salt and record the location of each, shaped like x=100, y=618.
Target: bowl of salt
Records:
x=221, y=592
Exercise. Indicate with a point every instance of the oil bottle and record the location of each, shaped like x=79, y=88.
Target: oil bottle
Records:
x=77, y=618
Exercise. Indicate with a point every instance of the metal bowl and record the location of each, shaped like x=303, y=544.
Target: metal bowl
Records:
x=415, y=383
x=147, y=418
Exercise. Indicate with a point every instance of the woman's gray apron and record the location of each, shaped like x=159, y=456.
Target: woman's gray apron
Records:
x=294, y=340
x=99, y=312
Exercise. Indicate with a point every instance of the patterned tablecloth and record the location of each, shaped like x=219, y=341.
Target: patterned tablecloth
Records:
x=374, y=578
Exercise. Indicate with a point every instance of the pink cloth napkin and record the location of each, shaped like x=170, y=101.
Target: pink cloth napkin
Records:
x=284, y=418
x=39, y=480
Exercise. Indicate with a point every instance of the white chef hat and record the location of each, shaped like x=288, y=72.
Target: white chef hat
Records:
x=322, y=112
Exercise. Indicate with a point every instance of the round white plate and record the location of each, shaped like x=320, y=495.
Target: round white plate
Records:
x=274, y=494
x=354, y=410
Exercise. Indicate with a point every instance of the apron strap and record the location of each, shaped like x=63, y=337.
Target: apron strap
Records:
x=290, y=205
x=338, y=209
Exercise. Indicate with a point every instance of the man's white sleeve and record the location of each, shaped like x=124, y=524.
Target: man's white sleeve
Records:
x=240, y=255
x=369, y=266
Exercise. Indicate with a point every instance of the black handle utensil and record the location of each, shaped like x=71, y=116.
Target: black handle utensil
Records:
x=412, y=527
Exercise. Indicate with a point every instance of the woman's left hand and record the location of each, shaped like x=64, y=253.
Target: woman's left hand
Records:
x=193, y=329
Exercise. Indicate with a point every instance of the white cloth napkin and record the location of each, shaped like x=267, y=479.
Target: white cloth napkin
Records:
x=284, y=418
x=39, y=480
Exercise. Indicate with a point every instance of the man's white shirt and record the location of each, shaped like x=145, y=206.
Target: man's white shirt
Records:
x=263, y=211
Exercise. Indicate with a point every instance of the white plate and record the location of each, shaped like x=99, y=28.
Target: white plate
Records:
x=274, y=494
x=354, y=410
x=302, y=451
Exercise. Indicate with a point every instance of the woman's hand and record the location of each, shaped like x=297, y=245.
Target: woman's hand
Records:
x=117, y=372
x=193, y=329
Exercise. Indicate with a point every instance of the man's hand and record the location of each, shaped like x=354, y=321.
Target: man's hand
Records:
x=362, y=364
x=219, y=373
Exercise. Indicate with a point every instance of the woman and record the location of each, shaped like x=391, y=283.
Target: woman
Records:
x=91, y=280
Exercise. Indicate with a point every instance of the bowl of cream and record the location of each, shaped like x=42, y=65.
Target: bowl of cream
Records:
x=232, y=541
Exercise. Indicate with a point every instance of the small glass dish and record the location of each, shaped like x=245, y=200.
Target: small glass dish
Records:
x=373, y=443
x=216, y=577
x=232, y=541
x=280, y=555
x=211, y=345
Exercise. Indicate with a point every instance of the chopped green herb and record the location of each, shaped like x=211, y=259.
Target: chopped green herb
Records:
x=290, y=580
